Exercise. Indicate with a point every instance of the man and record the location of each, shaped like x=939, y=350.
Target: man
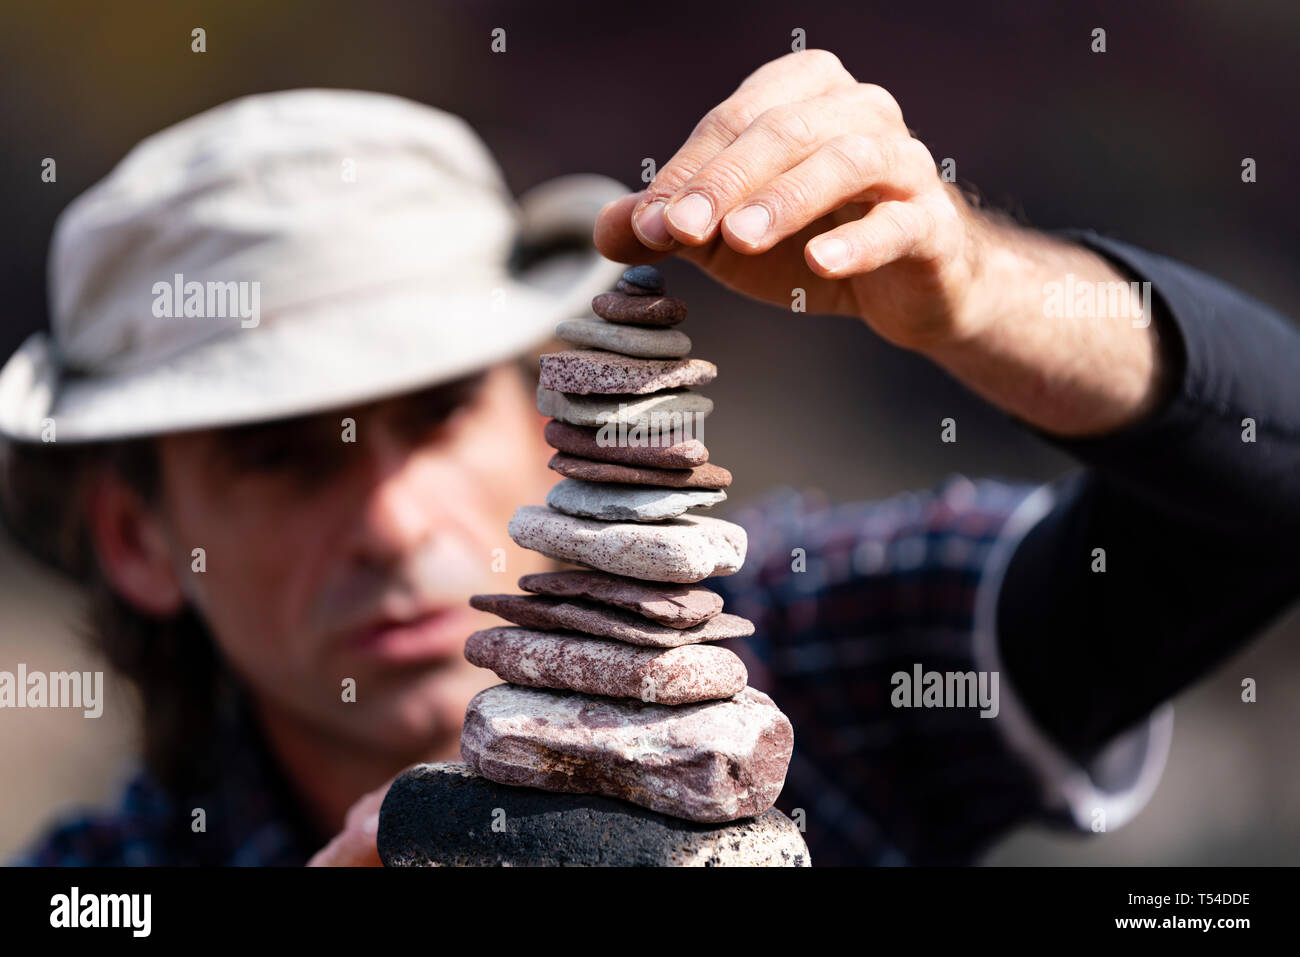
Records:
x=287, y=512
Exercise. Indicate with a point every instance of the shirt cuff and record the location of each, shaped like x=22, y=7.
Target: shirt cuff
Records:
x=1111, y=790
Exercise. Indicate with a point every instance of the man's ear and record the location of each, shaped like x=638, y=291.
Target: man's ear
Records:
x=129, y=542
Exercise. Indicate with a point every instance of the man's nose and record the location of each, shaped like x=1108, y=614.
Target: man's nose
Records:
x=398, y=511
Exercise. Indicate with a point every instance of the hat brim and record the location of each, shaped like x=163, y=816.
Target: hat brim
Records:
x=337, y=354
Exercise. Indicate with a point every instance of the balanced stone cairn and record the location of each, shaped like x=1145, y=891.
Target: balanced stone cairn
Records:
x=613, y=686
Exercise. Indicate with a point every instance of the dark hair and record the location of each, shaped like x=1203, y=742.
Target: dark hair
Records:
x=172, y=663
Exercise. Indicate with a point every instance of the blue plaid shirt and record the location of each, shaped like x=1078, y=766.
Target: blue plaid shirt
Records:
x=843, y=596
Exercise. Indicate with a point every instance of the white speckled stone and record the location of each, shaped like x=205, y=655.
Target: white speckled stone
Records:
x=641, y=341
x=612, y=502
x=557, y=659
x=685, y=549
x=713, y=762
x=665, y=412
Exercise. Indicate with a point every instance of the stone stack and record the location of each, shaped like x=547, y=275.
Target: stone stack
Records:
x=613, y=686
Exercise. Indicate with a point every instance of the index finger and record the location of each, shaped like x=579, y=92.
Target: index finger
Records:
x=787, y=79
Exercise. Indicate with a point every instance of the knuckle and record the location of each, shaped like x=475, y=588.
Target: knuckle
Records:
x=789, y=126
x=881, y=100
x=858, y=155
x=788, y=194
x=724, y=180
x=728, y=119
x=915, y=154
x=823, y=60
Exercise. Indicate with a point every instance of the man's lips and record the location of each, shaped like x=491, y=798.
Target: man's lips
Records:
x=437, y=633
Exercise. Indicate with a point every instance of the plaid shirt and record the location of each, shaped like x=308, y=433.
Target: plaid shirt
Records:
x=843, y=597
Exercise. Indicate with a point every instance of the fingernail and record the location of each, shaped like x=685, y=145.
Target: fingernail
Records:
x=651, y=227
x=750, y=224
x=371, y=824
x=830, y=253
x=692, y=214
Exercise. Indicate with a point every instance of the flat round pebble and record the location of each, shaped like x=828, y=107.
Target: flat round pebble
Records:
x=592, y=618
x=644, y=277
x=687, y=549
x=628, y=503
x=639, y=310
x=587, y=444
x=641, y=341
x=678, y=606
x=701, y=476
x=587, y=371
x=615, y=669
x=665, y=414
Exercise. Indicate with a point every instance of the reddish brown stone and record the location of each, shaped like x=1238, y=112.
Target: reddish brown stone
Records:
x=582, y=442
x=677, y=606
x=713, y=762
x=604, y=621
x=639, y=310
x=573, y=662
x=702, y=476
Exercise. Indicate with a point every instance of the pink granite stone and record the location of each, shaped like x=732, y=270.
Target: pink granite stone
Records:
x=711, y=762
x=557, y=659
x=588, y=371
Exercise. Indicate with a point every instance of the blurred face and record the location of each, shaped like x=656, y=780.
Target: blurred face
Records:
x=329, y=560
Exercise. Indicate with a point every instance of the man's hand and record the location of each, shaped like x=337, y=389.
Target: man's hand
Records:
x=355, y=845
x=805, y=178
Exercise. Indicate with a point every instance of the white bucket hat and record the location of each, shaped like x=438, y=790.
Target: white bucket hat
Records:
x=293, y=252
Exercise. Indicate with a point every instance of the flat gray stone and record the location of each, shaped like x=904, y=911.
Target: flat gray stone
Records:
x=664, y=414
x=629, y=503
x=689, y=548
x=712, y=762
x=678, y=606
x=641, y=341
x=446, y=815
x=591, y=618
x=573, y=662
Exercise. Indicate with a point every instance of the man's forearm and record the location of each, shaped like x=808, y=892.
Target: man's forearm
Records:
x=1038, y=347
x=1181, y=541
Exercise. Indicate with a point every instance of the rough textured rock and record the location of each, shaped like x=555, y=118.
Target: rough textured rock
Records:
x=702, y=476
x=588, y=371
x=685, y=549
x=446, y=815
x=627, y=503
x=586, y=443
x=629, y=340
x=639, y=310
x=557, y=659
x=670, y=415
x=678, y=606
x=591, y=618
x=712, y=762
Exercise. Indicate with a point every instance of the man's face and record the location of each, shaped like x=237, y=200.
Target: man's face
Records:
x=329, y=560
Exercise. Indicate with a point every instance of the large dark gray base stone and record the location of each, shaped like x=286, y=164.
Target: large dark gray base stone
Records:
x=446, y=815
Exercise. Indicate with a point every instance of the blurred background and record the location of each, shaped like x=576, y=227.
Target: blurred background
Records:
x=1144, y=142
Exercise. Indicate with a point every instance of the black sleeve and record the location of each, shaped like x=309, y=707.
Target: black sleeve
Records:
x=1200, y=526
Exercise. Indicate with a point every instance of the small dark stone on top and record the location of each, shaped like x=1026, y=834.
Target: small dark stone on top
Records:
x=628, y=289
x=644, y=277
